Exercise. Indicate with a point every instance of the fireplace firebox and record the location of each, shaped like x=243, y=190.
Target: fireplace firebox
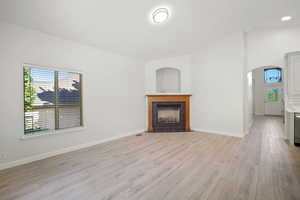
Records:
x=168, y=116
x=168, y=113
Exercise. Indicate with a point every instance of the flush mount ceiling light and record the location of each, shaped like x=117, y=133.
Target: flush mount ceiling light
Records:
x=160, y=15
x=286, y=18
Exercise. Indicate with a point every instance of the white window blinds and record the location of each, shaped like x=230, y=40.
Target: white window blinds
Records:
x=52, y=100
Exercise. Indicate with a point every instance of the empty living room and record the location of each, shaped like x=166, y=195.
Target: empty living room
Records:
x=150, y=100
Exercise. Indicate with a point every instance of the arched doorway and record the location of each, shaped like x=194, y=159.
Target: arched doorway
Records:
x=268, y=91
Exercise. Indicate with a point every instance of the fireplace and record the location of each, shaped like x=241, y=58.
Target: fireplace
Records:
x=168, y=113
x=168, y=116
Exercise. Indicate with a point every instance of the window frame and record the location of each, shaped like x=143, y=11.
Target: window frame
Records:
x=54, y=106
x=275, y=90
x=276, y=68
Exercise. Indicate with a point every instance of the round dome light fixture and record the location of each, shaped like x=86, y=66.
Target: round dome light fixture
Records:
x=286, y=18
x=160, y=15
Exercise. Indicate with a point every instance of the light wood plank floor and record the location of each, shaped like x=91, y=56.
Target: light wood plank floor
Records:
x=261, y=166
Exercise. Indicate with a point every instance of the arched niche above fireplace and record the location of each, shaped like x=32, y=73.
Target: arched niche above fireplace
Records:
x=168, y=80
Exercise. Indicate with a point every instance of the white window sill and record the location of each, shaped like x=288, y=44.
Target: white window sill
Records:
x=52, y=132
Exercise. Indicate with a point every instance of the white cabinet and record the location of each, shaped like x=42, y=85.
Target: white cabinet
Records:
x=289, y=126
x=292, y=92
x=293, y=75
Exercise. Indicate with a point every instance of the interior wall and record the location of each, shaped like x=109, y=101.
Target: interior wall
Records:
x=168, y=80
x=113, y=91
x=249, y=103
x=222, y=100
x=217, y=85
x=215, y=76
x=266, y=47
x=258, y=76
x=182, y=63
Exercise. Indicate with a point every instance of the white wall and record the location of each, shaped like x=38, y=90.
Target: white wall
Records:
x=268, y=46
x=183, y=64
x=249, y=103
x=259, y=96
x=217, y=87
x=222, y=100
x=216, y=77
x=168, y=80
x=113, y=91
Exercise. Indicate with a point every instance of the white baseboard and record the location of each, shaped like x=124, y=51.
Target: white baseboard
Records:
x=217, y=132
x=62, y=151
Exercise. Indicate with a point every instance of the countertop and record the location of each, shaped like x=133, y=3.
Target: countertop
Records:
x=293, y=107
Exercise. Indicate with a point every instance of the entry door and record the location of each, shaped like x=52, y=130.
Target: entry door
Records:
x=273, y=101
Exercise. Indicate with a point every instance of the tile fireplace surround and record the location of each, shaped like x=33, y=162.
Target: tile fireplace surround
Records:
x=168, y=112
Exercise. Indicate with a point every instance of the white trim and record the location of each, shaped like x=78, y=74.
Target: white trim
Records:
x=52, y=132
x=62, y=151
x=65, y=69
x=217, y=132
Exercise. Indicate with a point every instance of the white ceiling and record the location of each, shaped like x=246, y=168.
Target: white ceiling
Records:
x=123, y=27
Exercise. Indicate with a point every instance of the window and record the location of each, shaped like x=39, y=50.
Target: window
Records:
x=273, y=75
x=52, y=100
x=272, y=94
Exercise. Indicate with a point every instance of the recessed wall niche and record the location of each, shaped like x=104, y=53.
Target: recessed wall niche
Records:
x=168, y=80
